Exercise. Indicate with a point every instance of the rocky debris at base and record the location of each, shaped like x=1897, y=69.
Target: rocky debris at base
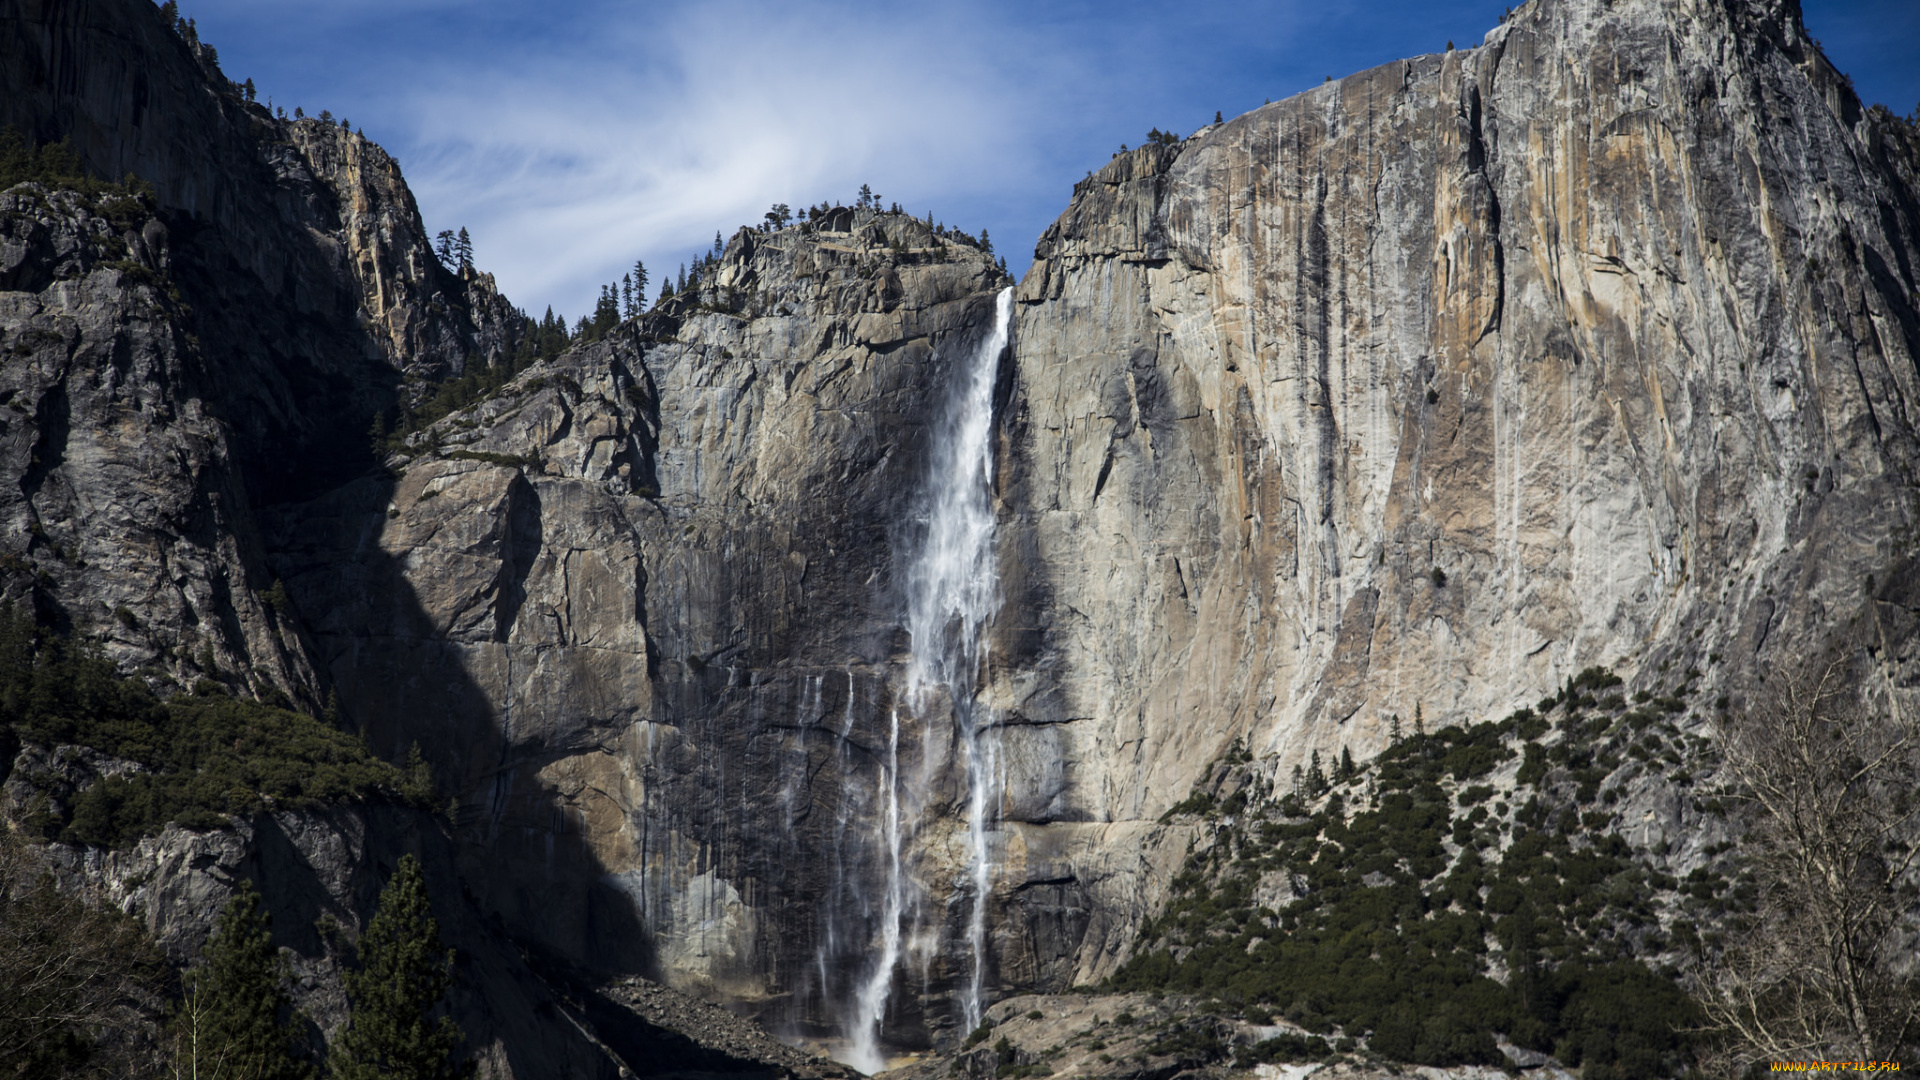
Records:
x=719, y=1032
x=1157, y=1037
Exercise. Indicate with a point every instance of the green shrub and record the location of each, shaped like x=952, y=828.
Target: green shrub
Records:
x=1392, y=934
x=202, y=758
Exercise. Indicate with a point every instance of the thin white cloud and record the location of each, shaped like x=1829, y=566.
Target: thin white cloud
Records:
x=568, y=165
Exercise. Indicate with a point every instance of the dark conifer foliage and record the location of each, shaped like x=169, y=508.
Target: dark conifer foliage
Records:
x=235, y=1017
x=404, y=973
x=205, y=754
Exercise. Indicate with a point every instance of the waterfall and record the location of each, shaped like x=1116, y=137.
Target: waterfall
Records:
x=871, y=1001
x=951, y=592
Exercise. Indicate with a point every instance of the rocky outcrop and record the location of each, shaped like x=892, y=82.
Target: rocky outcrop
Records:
x=639, y=609
x=1432, y=386
x=1411, y=395
x=220, y=344
x=319, y=874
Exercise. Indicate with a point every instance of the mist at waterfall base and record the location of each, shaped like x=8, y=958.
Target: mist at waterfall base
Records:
x=951, y=592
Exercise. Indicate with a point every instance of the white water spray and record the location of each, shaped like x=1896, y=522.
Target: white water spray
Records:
x=871, y=1000
x=952, y=591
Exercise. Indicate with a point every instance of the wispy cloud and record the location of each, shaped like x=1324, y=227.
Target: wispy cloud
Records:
x=575, y=138
x=578, y=160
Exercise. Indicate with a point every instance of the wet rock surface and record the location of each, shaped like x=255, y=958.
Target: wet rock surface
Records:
x=1423, y=390
x=639, y=609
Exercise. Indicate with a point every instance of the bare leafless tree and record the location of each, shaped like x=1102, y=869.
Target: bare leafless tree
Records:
x=77, y=978
x=1822, y=967
x=192, y=1054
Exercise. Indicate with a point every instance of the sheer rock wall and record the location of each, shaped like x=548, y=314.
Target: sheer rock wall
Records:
x=1427, y=388
x=1411, y=395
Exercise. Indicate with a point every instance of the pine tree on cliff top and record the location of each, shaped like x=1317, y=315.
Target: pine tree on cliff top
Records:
x=230, y=1021
x=404, y=972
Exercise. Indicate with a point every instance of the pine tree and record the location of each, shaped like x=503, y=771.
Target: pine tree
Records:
x=1316, y=776
x=248, y=88
x=1419, y=720
x=640, y=282
x=463, y=249
x=170, y=11
x=1347, y=767
x=230, y=1021
x=627, y=307
x=443, y=248
x=1393, y=730
x=865, y=198
x=986, y=245
x=404, y=972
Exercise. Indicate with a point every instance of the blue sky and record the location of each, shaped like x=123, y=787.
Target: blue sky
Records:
x=572, y=139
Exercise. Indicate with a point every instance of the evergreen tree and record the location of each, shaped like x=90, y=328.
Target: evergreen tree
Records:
x=443, y=248
x=552, y=337
x=719, y=247
x=986, y=245
x=1393, y=730
x=640, y=282
x=170, y=11
x=1347, y=767
x=1419, y=720
x=404, y=972
x=248, y=89
x=606, y=314
x=230, y=1022
x=666, y=293
x=865, y=198
x=463, y=249
x=1316, y=776
x=628, y=309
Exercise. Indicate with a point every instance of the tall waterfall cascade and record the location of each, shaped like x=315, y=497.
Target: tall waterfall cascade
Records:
x=951, y=593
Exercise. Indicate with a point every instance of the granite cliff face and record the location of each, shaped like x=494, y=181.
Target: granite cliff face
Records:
x=1430, y=387
x=1416, y=393
x=644, y=600
x=177, y=361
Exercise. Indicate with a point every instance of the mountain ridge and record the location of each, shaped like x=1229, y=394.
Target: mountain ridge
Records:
x=1412, y=396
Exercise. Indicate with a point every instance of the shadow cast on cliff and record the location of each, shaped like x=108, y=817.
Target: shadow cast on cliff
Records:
x=521, y=898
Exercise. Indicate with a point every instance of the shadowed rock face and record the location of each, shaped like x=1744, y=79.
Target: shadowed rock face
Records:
x=173, y=365
x=1421, y=391
x=640, y=607
x=1610, y=321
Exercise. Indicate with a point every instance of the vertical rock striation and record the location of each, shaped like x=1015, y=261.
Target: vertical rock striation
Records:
x=1411, y=395
x=641, y=607
x=178, y=361
x=1428, y=388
